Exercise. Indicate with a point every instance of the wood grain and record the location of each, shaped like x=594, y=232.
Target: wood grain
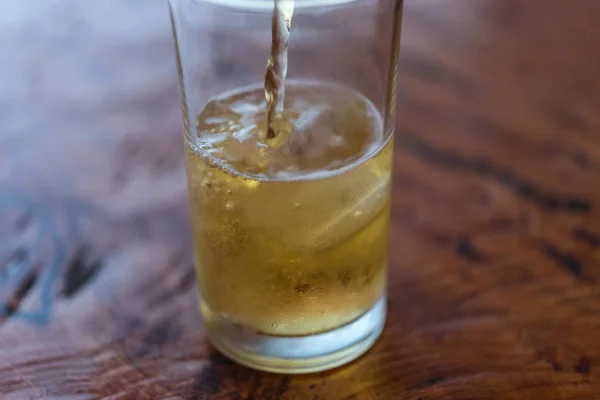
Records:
x=494, y=289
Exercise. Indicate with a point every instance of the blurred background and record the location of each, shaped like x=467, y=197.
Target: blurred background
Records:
x=93, y=84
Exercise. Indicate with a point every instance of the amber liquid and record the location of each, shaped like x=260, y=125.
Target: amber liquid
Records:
x=277, y=65
x=290, y=239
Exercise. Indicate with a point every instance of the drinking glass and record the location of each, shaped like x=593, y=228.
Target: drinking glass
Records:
x=291, y=269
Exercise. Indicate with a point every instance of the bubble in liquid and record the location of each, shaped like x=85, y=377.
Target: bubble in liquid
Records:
x=252, y=184
x=207, y=183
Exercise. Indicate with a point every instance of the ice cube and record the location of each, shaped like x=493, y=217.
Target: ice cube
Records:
x=354, y=216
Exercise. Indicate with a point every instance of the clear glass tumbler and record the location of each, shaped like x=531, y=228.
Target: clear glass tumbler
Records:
x=290, y=235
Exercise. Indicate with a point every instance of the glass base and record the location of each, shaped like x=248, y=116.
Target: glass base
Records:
x=295, y=354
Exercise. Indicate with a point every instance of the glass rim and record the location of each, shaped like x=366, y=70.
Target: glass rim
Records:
x=261, y=5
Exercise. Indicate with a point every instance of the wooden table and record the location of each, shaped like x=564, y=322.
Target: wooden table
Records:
x=494, y=288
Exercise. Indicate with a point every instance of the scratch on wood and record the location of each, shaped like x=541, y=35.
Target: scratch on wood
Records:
x=566, y=260
x=12, y=305
x=79, y=272
x=467, y=250
x=522, y=188
x=586, y=236
x=210, y=380
x=584, y=365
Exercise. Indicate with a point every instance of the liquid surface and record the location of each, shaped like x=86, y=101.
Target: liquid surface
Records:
x=290, y=240
x=327, y=127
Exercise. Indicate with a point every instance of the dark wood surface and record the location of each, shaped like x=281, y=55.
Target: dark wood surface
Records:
x=494, y=288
